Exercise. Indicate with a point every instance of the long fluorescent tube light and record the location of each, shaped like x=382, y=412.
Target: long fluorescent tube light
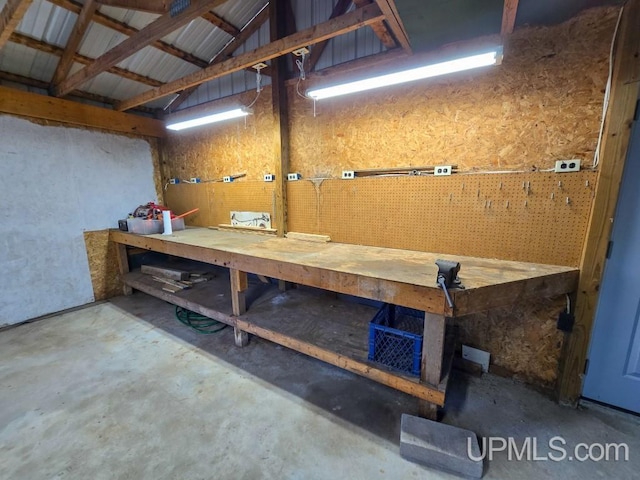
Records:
x=428, y=71
x=216, y=117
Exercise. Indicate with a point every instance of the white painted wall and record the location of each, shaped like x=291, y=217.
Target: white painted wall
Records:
x=56, y=182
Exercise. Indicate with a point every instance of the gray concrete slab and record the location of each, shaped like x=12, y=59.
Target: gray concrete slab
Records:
x=122, y=390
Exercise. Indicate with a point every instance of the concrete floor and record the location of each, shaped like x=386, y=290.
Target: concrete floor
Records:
x=122, y=390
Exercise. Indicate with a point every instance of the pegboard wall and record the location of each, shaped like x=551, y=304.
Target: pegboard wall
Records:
x=530, y=217
x=217, y=200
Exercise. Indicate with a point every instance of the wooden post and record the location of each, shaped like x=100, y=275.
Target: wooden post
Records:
x=239, y=285
x=123, y=266
x=432, y=352
x=625, y=86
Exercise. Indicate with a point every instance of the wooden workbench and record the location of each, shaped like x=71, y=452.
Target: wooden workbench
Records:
x=395, y=276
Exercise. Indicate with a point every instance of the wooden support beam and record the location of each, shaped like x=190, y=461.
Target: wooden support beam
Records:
x=10, y=17
x=73, y=43
x=432, y=356
x=625, y=87
x=310, y=36
x=77, y=94
x=221, y=23
x=151, y=6
x=316, y=52
x=27, y=104
x=239, y=285
x=380, y=29
x=123, y=266
x=152, y=32
x=391, y=16
x=249, y=29
x=125, y=29
x=278, y=27
x=53, y=50
x=509, y=17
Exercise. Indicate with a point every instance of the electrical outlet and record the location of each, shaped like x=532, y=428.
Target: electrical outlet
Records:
x=269, y=177
x=227, y=179
x=563, y=166
x=195, y=179
x=293, y=176
x=348, y=174
x=442, y=170
x=301, y=51
x=174, y=181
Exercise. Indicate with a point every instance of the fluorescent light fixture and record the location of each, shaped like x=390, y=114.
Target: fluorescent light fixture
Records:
x=482, y=60
x=216, y=117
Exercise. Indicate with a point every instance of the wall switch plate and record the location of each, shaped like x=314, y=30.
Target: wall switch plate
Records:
x=442, y=170
x=567, y=166
x=476, y=356
x=227, y=179
x=269, y=177
x=293, y=176
x=174, y=181
x=195, y=179
x=348, y=174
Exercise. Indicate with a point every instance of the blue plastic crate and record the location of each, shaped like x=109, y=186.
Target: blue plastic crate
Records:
x=395, y=338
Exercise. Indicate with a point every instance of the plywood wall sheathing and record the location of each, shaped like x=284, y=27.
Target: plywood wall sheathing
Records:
x=103, y=265
x=531, y=217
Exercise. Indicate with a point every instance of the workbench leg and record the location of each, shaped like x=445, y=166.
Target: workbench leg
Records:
x=123, y=266
x=283, y=286
x=432, y=352
x=239, y=285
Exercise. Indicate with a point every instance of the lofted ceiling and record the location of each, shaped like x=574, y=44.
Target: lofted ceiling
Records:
x=159, y=56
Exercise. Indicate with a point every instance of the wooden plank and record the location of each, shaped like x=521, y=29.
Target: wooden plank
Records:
x=10, y=17
x=615, y=142
x=245, y=228
x=308, y=237
x=171, y=273
x=238, y=286
x=394, y=21
x=105, y=20
x=40, y=106
x=332, y=28
x=151, y=6
x=432, y=348
x=73, y=43
x=123, y=266
x=221, y=23
x=316, y=52
x=380, y=28
x=395, y=276
x=509, y=17
x=280, y=109
x=54, y=50
x=249, y=29
x=149, y=34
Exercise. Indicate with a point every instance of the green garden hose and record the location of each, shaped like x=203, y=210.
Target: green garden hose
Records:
x=199, y=323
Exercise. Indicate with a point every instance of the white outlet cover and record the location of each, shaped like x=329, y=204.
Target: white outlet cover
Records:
x=227, y=179
x=348, y=174
x=476, y=356
x=268, y=177
x=442, y=170
x=563, y=166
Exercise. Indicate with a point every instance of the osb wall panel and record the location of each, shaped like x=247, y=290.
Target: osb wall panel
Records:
x=213, y=151
x=217, y=200
x=530, y=217
x=103, y=264
x=542, y=104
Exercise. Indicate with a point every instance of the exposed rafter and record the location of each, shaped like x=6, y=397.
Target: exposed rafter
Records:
x=125, y=29
x=151, y=6
x=31, y=82
x=249, y=29
x=388, y=8
x=221, y=23
x=152, y=32
x=10, y=17
x=316, y=52
x=509, y=17
x=310, y=36
x=380, y=29
x=77, y=34
x=53, y=50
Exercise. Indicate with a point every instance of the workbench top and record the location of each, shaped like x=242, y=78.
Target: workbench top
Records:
x=365, y=270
